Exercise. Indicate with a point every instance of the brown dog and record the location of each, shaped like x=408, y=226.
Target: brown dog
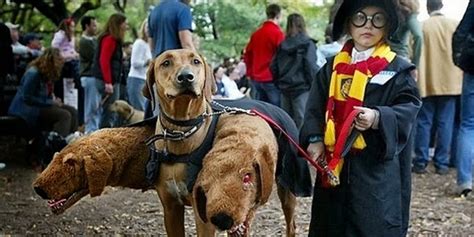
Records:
x=108, y=157
x=184, y=86
x=126, y=111
x=238, y=176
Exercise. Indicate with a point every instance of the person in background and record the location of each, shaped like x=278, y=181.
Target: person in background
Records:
x=439, y=83
x=21, y=53
x=64, y=40
x=259, y=53
x=226, y=87
x=332, y=47
x=126, y=62
x=462, y=38
x=35, y=101
x=367, y=78
x=33, y=42
x=293, y=67
x=7, y=66
x=107, y=66
x=408, y=12
x=141, y=57
x=92, y=97
x=170, y=26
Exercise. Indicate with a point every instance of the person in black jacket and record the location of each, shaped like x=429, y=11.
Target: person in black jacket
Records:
x=368, y=78
x=463, y=53
x=294, y=66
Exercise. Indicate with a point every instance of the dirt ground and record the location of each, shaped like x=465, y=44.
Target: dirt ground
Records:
x=435, y=210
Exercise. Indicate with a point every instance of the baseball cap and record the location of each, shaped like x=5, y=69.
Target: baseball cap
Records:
x=31, y=36
x=12, y=26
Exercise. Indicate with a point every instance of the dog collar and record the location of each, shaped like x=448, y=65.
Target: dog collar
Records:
x=183, y=123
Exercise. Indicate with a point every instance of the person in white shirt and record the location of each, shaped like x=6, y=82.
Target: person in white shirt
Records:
x=226, y=87
x=141, y=57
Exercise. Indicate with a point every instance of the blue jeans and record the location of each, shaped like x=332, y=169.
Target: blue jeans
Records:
x=437, y=110
x=134, y=92
x=465, y=148
x=295, y=106
x=267, y=91
x=92, y=108
x=108, y=119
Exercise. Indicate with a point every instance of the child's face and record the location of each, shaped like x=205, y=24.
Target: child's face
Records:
x=367, y=35
x=128, y=49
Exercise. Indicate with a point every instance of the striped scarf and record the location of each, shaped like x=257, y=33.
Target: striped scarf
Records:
x=346, y=90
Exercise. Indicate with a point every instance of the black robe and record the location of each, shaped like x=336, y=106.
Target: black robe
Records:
x=373, y=198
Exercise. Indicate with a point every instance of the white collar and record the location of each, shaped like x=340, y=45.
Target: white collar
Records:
x=361, y=56
x=88, y=37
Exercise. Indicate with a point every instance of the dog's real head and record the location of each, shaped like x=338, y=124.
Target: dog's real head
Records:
x=234, y=181
x=121, y=107
x=72, y=174
x=182, y=79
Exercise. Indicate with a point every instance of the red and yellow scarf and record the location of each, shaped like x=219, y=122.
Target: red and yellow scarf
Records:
x=346, y=90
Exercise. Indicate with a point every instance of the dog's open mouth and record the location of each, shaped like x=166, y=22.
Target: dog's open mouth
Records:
x=59, y=206
x=239, y=230
x=187, y=92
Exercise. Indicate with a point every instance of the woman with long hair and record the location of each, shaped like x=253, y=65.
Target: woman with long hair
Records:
x=369, y=88
x=141, y=57
x=35, y=101
x=107, y=65
x=294, y=66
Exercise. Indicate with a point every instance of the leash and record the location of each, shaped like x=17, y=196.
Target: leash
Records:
x=102, y=102
x=343, y=144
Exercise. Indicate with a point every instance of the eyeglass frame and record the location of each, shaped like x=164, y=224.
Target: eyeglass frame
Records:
x=369, y=18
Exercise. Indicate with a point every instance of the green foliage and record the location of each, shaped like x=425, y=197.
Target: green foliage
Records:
x=225, y=26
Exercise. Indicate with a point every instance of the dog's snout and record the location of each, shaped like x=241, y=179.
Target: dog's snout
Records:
x=41, y=192
x=185, y=77
x=222, y=221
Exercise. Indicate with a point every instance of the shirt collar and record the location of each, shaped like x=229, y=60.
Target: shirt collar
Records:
x=361, y=56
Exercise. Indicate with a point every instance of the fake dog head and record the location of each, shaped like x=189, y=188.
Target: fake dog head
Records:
x=183, y=83
x=88, y=165
x=237, y=177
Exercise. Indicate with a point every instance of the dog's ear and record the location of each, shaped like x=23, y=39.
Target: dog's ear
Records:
x=69, y=159
x=150, y=81
x=210, y=87
x=200, y=202
x=264, y=168
x=98, y=168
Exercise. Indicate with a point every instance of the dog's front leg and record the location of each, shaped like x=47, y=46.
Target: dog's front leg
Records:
x=173, y=214
x=288, y=204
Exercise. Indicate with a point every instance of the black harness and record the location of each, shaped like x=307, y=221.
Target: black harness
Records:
x=193, y=160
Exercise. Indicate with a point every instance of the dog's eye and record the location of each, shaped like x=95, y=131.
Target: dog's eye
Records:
x=166, y=63
x=196, y=61
x=247, y=178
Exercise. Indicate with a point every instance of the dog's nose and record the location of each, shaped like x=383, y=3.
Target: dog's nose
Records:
x=41, y=192
x=222, y=221
x=185, y=77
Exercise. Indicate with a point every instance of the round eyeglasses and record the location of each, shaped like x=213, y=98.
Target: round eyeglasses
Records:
x=360, y=19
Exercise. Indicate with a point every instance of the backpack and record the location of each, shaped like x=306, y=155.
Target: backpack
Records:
x=463, y=51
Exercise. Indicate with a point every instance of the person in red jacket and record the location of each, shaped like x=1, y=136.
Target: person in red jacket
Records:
x=107, y=66
x=259, y=53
